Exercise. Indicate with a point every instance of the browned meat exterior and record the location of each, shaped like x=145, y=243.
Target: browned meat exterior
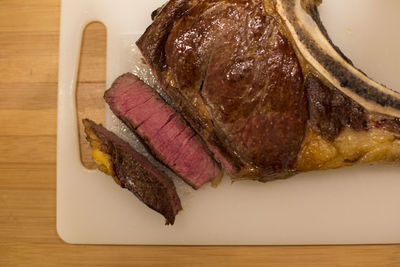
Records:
x=331, y=111
x=165, y=132
x=267, y=90
x=132, y=171
x=236, y=78
x=389, y=124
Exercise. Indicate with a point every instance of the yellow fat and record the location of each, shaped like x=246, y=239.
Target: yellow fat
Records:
x=349, y=148
x=103, y=160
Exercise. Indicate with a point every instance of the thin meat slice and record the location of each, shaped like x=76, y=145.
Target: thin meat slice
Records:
x=132, y=171
x=165, y=132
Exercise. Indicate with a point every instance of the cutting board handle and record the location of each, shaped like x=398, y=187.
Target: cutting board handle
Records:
x=75, y=16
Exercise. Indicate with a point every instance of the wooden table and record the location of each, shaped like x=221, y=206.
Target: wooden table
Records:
x=29, y=32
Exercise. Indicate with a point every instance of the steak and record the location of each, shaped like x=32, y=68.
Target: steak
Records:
x=162, y=129
x=237, y=80
x=264, y=86
x=132, y=171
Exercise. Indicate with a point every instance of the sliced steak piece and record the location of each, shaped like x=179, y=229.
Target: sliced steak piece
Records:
x=164, y=131
x=132, y=171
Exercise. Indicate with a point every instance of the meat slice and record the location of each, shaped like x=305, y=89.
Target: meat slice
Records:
x=162, y=129
x=132, y=171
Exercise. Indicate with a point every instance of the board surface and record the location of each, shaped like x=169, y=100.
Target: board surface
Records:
x=356, y=205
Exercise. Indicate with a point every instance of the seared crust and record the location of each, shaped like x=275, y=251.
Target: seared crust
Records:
x=237, y=80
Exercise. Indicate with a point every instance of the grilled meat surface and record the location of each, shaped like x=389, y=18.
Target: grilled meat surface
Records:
x=245, y=81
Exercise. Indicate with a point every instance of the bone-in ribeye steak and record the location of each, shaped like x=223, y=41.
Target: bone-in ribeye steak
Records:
x=269, y=100
x=262, y=85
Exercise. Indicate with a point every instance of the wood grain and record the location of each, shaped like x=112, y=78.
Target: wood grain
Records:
x=91, y=84
x=28, y=89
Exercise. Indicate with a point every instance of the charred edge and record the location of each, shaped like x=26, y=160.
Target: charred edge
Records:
x=174, y=9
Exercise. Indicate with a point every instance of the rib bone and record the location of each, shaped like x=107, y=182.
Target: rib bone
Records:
x=302, y=21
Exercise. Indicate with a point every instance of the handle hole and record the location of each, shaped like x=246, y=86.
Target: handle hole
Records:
x=91, y=84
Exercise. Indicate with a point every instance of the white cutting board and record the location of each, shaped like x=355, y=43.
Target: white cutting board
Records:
x=355, y=205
